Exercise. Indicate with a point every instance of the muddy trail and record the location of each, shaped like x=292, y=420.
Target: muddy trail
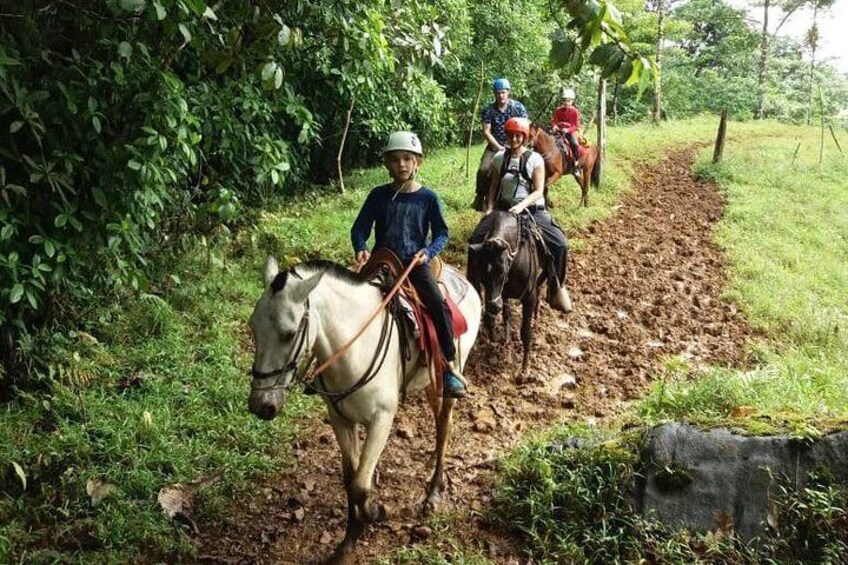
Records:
x=647, y=285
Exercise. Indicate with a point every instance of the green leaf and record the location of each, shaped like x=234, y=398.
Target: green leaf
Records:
x=31, y=299
x=284, y=35
x=278, y=78
x=635, y=74
x=95, y=121
x=36, y=239
x=99, y=197
x=601, y=55
x=134, y=165
x=19, y=471
x=60, y=220
x=613, y=64
x=49, y=248
x=186, y=33
x=15, y=126
x=209, y=14
x=561, y=52
x=268, y=70
x=161, y=13
x=6, y=61
x=196, y=6
x=125, y=50
x=133, y=5
x=7, y=231
x=16, y=294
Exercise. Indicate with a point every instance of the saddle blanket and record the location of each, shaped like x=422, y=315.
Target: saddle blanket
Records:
x=454, y=288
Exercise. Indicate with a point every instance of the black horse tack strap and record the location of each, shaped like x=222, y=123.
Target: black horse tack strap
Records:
x=522, y=166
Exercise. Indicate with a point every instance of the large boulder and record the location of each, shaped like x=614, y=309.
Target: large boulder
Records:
x=708, y=479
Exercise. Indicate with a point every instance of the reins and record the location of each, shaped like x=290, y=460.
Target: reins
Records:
x=343, y=349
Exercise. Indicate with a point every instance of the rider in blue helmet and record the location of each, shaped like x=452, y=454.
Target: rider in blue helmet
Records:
x=494, y=116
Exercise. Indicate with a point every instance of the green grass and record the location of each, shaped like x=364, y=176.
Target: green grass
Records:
x=785, y=233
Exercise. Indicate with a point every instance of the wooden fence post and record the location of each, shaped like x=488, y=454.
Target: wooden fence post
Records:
x=602, y=126
x=473, y=122
x=722, y=131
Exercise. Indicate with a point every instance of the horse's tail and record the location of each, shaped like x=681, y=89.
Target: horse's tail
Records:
x=596, y=169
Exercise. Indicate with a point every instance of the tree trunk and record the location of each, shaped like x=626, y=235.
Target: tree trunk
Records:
x=602, y=123
x=813, y=38
x=761, y=74
x=722, y=132
x=615, y=102
x=658, y=77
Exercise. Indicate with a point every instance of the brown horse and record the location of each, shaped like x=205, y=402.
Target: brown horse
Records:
x=558, y=164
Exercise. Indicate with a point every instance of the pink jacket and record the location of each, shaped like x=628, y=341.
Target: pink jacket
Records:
x=567, y=118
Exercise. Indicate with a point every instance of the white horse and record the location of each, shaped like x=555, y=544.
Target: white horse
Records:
x=313, y=310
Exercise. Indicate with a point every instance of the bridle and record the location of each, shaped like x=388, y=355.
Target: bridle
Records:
x=512, y=253
x=291, y=366
x=380, y=352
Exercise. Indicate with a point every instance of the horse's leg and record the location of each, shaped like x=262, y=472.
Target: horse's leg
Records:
x=549, y=182
x=444, y=421
x=435, y=402
x=584, y=188
x=528, y=307
x=507, y=321
x=376, y=433
x=350, y=445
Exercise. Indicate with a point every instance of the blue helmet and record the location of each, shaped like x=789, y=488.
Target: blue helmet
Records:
x=501, y=84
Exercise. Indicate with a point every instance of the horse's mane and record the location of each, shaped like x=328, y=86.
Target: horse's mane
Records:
x=540, y=132
x=336, y=270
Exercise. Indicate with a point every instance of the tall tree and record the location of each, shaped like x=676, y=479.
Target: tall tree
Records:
x=788, y=7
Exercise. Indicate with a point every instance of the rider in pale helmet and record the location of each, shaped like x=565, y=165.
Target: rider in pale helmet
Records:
x=518, y=186
x=566, y=120
x=408, y=219
x=494, y=117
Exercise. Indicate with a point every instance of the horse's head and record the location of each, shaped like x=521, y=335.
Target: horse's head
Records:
x=281, y=333
x=493, y=258
x=540, y=140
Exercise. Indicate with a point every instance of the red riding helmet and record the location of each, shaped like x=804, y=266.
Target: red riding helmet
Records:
x=518, y=125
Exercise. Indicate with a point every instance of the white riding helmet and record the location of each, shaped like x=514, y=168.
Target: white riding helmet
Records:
x=567, y=93
x=404, y=141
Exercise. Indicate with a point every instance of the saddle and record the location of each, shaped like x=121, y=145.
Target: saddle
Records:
x=567, y=153
x=385, y=267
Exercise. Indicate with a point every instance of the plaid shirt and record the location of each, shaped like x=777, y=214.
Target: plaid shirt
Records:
x=491, y=115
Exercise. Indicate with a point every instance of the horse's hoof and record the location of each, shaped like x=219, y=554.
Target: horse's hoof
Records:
x=431, y=504
x=343, y=555
x=375, y=512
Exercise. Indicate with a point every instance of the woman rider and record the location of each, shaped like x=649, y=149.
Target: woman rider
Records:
x=518, y=190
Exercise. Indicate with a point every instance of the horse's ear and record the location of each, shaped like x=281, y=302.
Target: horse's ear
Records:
x=301, y=289
x=271, y=270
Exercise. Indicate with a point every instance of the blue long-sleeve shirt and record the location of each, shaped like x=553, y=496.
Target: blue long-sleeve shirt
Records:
x=401, y=222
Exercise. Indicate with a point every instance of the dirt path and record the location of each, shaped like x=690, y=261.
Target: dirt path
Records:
x=647, y=286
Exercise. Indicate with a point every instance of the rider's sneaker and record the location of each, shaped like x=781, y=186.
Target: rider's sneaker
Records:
x=453, y=387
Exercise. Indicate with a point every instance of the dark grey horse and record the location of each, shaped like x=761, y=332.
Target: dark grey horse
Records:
x=508, y=262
